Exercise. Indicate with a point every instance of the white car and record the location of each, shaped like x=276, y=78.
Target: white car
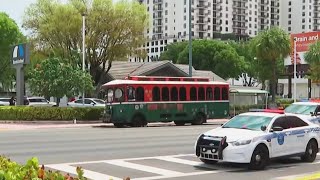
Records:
x=40, y=102
x=306, y=108
x=4, y=101
x=257, y=137
x=88, y=102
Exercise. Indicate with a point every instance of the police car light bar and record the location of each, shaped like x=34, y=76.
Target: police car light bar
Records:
x=279, y=111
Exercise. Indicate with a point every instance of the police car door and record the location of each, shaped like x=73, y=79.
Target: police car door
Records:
x=298, y=131
x=281, y=141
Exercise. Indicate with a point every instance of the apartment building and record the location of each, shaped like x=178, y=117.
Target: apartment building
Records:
x=298, y=16
x=169, y=21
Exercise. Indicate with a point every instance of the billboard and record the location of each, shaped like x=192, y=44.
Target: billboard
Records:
x=303, y=41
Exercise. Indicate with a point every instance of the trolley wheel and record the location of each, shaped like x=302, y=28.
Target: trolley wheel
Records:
x=199, y=119
x=179, y=123
x=118, y=125
x=138, y=121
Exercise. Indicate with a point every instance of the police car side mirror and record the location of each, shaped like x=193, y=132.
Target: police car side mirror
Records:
x=277, y=128
x=263, y=128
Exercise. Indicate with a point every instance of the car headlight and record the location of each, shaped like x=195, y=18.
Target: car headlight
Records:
x=241, y=142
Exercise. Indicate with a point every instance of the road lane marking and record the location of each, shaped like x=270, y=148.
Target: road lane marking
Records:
x=140, y=167
x=126, y=159
x=182, y=175
x=87, y=173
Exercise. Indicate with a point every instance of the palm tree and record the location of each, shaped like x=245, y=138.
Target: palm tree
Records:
x=271, y=45
x=313, y=58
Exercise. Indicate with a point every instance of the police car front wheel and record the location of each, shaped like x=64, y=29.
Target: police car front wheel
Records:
x=311, y=151
x=260, y=158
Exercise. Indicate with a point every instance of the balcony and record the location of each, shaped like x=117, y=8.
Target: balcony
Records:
x=201, y=29
x=201, y=22
x=157, y=1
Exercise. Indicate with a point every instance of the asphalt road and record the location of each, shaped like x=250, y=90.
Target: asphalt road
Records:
x=164, y=152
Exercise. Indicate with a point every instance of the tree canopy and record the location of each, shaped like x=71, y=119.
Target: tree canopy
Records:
x=113, y=30
x=313, y=58
x=216, y=56
x=9, y=35
x=53, y=77
x=271, y=46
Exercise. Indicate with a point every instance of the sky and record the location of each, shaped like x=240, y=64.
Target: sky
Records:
x=16, y=8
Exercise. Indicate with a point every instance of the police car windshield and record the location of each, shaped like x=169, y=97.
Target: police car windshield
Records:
x=301, y=109
x=248, y=122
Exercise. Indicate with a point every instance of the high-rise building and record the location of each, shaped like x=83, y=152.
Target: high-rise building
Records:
x=169, y=21
x=298, y=16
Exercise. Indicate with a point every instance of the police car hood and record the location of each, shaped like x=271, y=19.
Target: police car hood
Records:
x=234, y=134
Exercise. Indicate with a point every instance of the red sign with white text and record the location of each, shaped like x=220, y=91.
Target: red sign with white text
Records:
x=303, y=41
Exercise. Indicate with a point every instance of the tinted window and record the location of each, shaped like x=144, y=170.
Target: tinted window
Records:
x=224, y=94
x=248, y=122
x=140, y=94
x=201, y=94
x=193, y=94
x=183, y=94
x=281, y=122
x=131, y=94
x=5, y=100
x=78, y=101
x=174, y=94
x=295, y=122
x=87, y=101
x=165, y=94
x=301, y=109
x=216, y=93
x=209, y=93
x=156, y=94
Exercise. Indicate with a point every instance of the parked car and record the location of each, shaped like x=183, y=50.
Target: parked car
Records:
x=88, y=102
x=40, y=102
x=256, y=137
x=4, y=101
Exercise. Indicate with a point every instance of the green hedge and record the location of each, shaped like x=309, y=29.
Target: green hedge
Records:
x=25, y=113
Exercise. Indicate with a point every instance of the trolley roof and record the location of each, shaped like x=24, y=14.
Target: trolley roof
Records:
x=124, y=82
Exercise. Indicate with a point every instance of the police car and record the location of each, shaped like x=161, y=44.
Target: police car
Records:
x=257, y=137
x=311, y=109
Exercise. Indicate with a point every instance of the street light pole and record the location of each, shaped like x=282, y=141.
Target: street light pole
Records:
x=295, y=70
x=190, y=38
x=83, y=49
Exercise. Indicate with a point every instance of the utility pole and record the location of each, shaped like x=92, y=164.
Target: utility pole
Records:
x=190, y=38
x=83, y=50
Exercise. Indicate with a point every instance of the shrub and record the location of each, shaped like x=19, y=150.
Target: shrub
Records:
x=31, y=170
x=26, y=113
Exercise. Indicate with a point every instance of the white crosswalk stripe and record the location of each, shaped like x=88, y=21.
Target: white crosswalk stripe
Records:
x=159, y=173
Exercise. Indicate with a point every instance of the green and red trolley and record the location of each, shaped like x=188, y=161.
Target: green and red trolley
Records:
x=138, y=100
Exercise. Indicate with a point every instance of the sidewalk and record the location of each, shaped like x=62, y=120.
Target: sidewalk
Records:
x=9, y=125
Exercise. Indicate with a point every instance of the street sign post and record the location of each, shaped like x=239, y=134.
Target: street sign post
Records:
x=20, y=56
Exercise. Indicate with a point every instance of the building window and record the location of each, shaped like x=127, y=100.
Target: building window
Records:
x=289, y=28
x=227, y=29
x=289, y=22
x=289, y=3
